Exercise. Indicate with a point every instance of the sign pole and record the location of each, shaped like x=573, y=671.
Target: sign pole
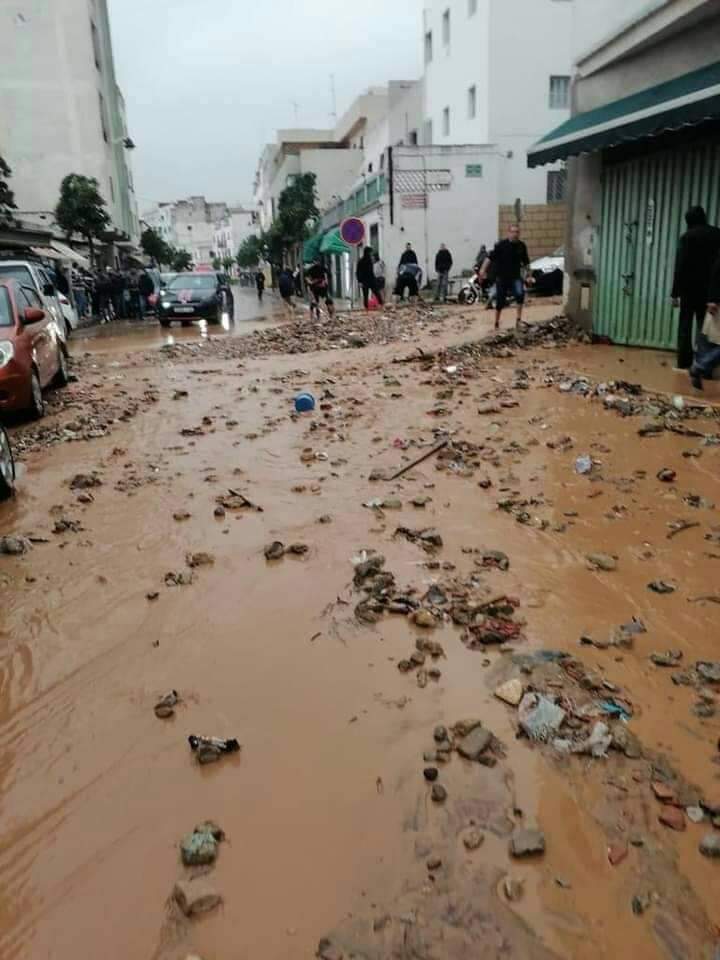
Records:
x=352, y=231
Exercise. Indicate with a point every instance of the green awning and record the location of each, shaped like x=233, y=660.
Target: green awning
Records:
x=311, y=248
x=332, y=242
x=683, y=102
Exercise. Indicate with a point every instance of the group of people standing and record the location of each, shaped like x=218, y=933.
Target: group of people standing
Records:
x=108, y=293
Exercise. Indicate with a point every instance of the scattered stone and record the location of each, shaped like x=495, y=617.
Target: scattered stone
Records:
x=475, y=743
x=710, y=845
x=181, y=515
x=430, y=774
x=672, y=817
x=434, y=864
x=85, y=481
x=14, y=546
x=165, y=707
x=196, y=896
x=424, y=618
x=200, y=847
x=510, y=692
x=526, y=843
x=438, y=793
x=667, y=475
x=219, y=511
x=472, y=839
x=640, y=904
x=617, y=852
x=709, y=670
x=200, y=559
x=327, y=951
x=662, y=587
x=496, y=559
x=513, y=889
x=178, y=579
x=274, y=550
x=440, y=734
x=671, y=658
x=663, y=792
x=695, y=814
x=601, y=561
x=298, y=549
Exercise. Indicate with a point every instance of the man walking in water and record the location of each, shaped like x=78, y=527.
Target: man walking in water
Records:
x=509, y=262
x=260, y=284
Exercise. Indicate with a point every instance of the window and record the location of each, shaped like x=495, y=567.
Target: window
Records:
x=559, y=93
x=96, y=44
x=103, y=118
x=557, y=186
x=446, y=122
x=428, y=132
x=428, y=47
x=472, y=102
x=382, y=161
x=472, y=8
x=112, y=189
x=413, y=138
x=446, y=28
x=6, y=316
x=370, y=168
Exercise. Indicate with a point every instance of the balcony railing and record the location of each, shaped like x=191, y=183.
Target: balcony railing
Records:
x=356, y=203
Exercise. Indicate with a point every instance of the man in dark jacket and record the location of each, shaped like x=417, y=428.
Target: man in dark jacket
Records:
x=698, y=250
x=509, y=262
x=146, y=288
x=409, y=255
x=707, y=353
x=443, y=266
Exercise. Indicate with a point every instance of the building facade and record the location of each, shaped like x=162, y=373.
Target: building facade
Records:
x=642, y=146
x=232, y=230
x=61, y=110
x=189, y=225
x=498, y=72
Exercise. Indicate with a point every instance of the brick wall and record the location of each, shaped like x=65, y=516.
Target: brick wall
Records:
x=542, y=226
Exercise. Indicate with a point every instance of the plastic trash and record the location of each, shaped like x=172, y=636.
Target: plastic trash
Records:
x=598, y=743
x=583, y=465
x=539, y=717
x=614, y=709
x=304, y=402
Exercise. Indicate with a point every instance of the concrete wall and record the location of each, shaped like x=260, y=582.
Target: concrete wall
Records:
x=543, y=226
x=595, y=20
x=50, y=118
x=334, y=169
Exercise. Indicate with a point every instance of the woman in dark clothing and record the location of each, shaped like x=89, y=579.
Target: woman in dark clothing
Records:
x=366, y=277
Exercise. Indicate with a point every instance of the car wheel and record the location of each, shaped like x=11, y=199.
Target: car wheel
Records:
x=217, y=319
x=7, y=466
x=61, y=377
x=37, y=404
x=164, y=323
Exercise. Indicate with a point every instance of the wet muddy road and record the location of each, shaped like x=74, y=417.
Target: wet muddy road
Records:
x=331, y=829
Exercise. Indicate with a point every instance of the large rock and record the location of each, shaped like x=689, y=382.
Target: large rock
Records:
x=475, y=743
x=510, y=692
x=196, y=896
x=710, y=845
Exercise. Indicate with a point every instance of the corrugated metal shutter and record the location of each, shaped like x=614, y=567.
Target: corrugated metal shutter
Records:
x=643, y=206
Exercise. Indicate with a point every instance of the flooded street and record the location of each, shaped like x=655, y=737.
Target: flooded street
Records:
x=332, y=833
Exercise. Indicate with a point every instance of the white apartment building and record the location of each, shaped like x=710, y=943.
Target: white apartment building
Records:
x=188, y=225
x=298, y=152
x=61, y=110
x=232, y=230
x=499, y=71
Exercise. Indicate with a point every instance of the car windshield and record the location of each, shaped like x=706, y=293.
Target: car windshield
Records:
x=193, y=281
x=5, y=311
x=17, y=272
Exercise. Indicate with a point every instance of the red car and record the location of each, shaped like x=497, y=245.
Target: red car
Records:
x=32, y=353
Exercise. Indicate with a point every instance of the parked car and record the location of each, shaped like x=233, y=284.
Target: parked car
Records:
x=69, y=313
x=32, y=355
x=548, y=273
x=196, y=296
x=33, y=274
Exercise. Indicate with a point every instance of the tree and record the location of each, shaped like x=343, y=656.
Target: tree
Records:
x=181, y=261
x=297, y=211
x=250, y=253
x=7, y=197
x=81, y=209
x=216, y=263
x=227, y=263
x=155, y=247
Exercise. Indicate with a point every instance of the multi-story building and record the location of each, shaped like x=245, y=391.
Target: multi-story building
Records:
x=498, y=72
x=189, y=225
x=61, y=110
x=642, y=146
x=231, y=230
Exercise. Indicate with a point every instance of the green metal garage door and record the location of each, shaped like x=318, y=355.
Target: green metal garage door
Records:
x=643, y=206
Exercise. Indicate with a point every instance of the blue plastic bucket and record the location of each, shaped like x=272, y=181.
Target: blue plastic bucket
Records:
x=304, y=402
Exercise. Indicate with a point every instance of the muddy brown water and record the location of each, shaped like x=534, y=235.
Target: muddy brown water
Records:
x=324, y=806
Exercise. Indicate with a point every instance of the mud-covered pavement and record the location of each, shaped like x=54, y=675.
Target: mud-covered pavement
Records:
x=334, y=676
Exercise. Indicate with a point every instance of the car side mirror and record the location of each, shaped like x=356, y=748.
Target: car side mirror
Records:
x=33, y=315
x=49, y=290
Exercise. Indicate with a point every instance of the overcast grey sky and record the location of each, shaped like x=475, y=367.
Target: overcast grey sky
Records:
x=207, y=85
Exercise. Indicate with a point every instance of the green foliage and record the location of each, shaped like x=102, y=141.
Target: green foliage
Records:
x=227, y=263
x=250, y=253
x=297, y=211
x=216, y=263
x=81, y=209
x=7, y=197
x=155, y=247
x=181, y=261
